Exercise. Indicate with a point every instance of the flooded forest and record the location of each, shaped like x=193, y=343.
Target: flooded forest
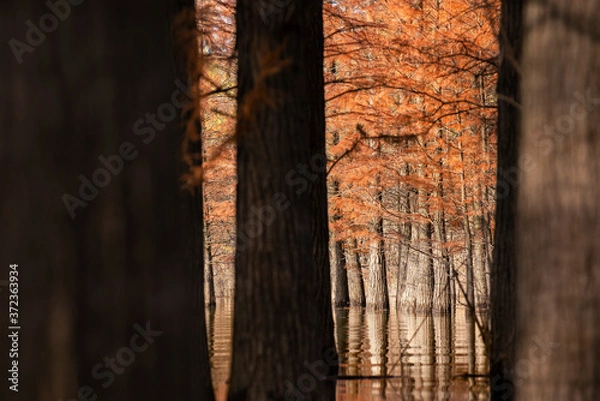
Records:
x=285, y=200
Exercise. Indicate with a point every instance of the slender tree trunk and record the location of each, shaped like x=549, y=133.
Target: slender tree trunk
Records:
x=104, y=267
x=377, y=296
x=404, y=230
x=356, y=286
x=283, y=316
x=209, y=277
x=502, y=290
x=479, y=271
x=417, y=295
x=558, y=208
x=470, y=281
x=339, y=276
x=441, y=269
x=339, y=272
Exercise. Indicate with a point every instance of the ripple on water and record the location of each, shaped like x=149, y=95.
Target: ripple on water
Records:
x=383, y=355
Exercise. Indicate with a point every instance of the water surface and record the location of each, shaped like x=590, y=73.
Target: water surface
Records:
x=384, y=355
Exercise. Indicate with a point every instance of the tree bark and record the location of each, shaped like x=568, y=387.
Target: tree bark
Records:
x=339, y=276
x=479, y=260
x=502, y=289
x=417, y=294
x=282, y=301
x=377, y=296
x=209, y=275
x=558, y=212
x=100, y=270
x=469, y=281
x=404, y=231
x=441, y=267
x=356, y=286
x=339, y=272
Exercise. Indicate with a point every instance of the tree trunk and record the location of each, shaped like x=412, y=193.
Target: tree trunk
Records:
x=502, y=290
x=339, y=276
x=558, y=208
x=283, y=316
x=209, y=276
x=339, y=272
x=441, y=268
x=417, y=295
x=377, y=296
x=356, y=286
x=104, y=265
x=404, y=231
x=479, y=270
x=417, y=290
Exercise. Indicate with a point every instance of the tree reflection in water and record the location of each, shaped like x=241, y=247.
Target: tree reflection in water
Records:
x=385, y=355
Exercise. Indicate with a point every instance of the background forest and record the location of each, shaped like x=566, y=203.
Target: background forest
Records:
x=411, y=138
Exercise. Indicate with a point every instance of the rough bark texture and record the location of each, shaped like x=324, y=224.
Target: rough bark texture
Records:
x=558, y=208
x=356, y=286
x=121, y=260
x=502, y=292
x=339, y=272
x=479, y=259
x=283, y=296
x=417, y=294
x=339, y=276
x=377, y=294
x=404, y=230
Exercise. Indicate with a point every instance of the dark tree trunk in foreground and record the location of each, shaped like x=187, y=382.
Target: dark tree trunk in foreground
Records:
x=558, y=207
x=282, y=309
x=111, y=277
x=502, y=291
